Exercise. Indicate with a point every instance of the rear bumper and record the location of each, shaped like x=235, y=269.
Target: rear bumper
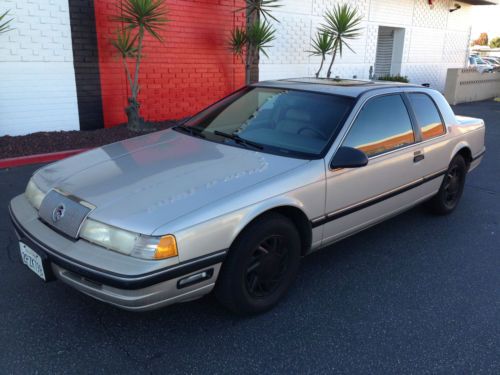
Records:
x=141, y=292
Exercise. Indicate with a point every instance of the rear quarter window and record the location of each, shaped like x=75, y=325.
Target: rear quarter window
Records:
x=427, y=115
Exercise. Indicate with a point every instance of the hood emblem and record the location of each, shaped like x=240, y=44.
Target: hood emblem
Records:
x=58, y=213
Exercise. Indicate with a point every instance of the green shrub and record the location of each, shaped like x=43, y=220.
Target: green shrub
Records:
x=395, y=78
x=495, y=42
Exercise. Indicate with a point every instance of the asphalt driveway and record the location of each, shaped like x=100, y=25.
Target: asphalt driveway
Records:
x=416, y=294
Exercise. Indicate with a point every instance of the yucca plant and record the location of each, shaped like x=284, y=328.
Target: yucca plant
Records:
x=125, y=44
x=4, y=23
x=259, y=35
x=256, y=37
x=322, y=45
x=342, y=24
x=138, y=18
x=261, y=8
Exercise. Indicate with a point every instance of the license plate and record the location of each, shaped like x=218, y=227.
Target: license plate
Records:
x=32, y=260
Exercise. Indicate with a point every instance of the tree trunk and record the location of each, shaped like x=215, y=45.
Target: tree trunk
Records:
x=321, y=66
x=248, y=74
x=135, y=121
x=127, y=72
x=135, y=90
x=333, y=60
x=248, y=65
x=252, y=69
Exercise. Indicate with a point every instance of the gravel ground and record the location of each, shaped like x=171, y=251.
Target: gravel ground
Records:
x=45, y=142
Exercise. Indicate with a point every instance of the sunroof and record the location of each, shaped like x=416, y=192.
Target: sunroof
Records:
x=331, y=81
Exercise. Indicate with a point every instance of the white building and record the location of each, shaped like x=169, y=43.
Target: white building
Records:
x=420, y=39
x=58, y=72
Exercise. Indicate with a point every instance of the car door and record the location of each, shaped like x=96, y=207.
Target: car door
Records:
x=435, y=146
x=359, y=197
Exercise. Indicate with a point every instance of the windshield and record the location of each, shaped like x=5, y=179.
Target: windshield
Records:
x=280, y=121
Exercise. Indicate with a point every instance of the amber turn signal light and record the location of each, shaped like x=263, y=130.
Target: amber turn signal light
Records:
x=166, y=248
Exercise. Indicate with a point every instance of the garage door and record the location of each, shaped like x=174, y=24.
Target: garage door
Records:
x=385, y=43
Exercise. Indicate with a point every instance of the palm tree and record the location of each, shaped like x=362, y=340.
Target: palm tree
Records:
x=138, y=18
x=248, y=42
x=4, y=25
x=342, y=24
x=321, y=46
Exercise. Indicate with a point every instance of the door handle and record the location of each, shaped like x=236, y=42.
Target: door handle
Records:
x=418, y=156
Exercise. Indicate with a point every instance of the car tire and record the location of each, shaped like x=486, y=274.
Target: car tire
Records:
x=450, y=192
x=260, y=267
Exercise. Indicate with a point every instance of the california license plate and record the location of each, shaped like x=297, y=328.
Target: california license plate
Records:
x=32, y=260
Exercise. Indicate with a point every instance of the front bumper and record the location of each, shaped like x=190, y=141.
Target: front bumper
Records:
x=138, y=291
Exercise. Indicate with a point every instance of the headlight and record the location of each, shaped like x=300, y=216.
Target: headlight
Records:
x=34, y=194
x=129, y=243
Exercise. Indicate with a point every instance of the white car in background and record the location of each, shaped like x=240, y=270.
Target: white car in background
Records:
x=493, y=61
x=481, y=65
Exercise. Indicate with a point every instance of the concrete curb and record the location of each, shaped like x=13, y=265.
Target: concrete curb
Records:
x=38, y=158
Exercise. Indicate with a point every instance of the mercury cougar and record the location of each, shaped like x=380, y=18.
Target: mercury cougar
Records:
x=231, y=199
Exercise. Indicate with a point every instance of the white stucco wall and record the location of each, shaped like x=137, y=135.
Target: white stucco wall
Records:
x=434, y=41
x=37, y=82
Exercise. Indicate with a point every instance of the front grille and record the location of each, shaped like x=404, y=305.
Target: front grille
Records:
x=63, y=212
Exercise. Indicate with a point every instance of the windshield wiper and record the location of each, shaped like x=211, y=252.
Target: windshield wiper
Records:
x=235, y=137
x=190, y=130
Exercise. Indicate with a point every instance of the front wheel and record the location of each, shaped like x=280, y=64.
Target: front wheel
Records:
x=260, y=267
x=452, y=187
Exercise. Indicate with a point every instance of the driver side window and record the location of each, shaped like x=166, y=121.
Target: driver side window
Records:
x=382, y=125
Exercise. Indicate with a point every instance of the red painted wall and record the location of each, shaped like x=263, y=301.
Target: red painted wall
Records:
x=190, y=70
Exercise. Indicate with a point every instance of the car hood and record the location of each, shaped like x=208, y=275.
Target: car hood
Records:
x=145, y=182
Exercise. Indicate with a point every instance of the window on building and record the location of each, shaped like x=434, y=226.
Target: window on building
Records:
x=427, y=115
x=382, y=125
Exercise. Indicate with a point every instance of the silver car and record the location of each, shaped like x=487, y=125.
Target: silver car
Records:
x=233, y=198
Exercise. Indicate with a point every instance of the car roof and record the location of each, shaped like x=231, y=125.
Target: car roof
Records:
x=344, y=87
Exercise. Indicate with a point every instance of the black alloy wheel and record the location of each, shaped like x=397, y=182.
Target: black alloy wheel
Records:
x=452, y=187
x=260, y=266
x=267, y=266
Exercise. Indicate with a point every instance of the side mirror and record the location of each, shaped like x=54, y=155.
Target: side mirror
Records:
x=348, y=157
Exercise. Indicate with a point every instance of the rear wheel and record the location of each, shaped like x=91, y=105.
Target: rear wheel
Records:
x=452, y=187
x=260, y=267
